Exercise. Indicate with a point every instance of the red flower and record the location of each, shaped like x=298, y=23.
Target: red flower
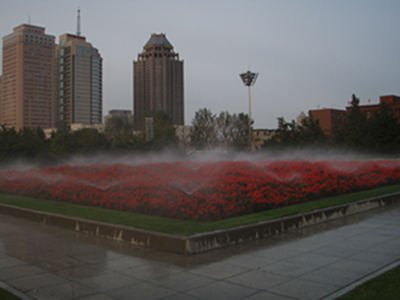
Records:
x=200, y=191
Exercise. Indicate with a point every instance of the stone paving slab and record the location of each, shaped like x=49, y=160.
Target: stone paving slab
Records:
x=295, y=265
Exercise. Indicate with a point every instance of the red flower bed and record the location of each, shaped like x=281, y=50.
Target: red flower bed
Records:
x=200, y=191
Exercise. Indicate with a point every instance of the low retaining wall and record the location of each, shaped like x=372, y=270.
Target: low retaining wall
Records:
x=156, y=240
x=212, y=240
x=204, y=241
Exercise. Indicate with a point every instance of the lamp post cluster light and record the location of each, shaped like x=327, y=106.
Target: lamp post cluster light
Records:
x=249, y=79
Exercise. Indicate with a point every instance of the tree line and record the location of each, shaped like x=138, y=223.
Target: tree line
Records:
x=209, y=131
x=379, y=134
x=117, y=138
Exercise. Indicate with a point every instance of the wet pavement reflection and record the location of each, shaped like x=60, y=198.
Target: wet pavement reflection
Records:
x=46, y=262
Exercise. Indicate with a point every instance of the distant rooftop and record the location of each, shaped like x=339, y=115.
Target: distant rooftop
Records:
x=158, y=40
x=30, y=28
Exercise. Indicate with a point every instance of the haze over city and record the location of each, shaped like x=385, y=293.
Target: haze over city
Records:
x=309, y=54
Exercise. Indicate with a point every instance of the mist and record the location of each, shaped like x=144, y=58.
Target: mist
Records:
x=213, y=155
x=222, y=154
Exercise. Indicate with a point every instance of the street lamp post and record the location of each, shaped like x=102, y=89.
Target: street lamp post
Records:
x=249, y=79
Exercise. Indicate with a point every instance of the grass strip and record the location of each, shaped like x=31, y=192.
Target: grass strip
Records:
x=383, y=287
x=185, y=227
x=5, y=295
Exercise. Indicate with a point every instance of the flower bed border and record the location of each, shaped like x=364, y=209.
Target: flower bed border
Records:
x=205, y=241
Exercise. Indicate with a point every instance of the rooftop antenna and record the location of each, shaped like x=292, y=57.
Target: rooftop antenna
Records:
x=78, y=29
x=29, y=19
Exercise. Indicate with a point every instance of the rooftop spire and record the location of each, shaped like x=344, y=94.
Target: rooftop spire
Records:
x=78, y=29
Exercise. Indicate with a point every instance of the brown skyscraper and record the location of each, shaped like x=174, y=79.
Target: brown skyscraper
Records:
x=27, y=79
x=158, y=82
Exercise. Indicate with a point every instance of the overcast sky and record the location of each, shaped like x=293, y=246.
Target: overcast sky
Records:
x=309, y=54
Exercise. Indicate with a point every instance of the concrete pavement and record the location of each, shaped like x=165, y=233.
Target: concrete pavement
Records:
x=318, y=262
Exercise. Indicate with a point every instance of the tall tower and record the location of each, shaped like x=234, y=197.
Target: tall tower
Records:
x=27, y=80
x=78, y=88
x=158, y=81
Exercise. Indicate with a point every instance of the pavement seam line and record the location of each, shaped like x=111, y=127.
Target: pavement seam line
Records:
x=14, y=291
x=353, y=285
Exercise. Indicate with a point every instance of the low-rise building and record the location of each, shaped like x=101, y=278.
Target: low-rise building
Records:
x=124, y=114
x=74, y=127
x=260, y=136
x=327, y=117
x=370, y=109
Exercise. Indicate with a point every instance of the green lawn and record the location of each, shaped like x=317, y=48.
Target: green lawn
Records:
x=4, y=295
x=383, y=287
x=182, y=227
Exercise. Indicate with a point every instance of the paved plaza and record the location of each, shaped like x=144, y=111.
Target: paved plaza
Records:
x=319, y=262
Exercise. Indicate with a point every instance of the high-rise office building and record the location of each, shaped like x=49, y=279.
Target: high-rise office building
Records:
x=27, y=78
x=158, y=82
x=78, y=82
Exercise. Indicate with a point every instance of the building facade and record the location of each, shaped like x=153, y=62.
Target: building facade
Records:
x=27, y=78
x=158, y=82
x=123, y=114
x=369, y=110
x=260, y=136
x=78, y=82
x=328, y=118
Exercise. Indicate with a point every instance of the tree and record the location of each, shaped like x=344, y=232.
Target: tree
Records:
x=286, y=134
x=127, y=142
x=204, y=135
x=224, y=127
x=40, y=133
x=291, y=134
x=164, y=131
x=355, y=131
x=83, y=141
x=234, y=130
x=224, y=130
x=26, y=143
x=63, y=142
x=31, y=143
x=90, y=141
x=9, y=143
x=310, y=133
x=113, y=126
x=384, y=129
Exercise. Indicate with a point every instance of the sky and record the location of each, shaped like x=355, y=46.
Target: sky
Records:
x=310, y=54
